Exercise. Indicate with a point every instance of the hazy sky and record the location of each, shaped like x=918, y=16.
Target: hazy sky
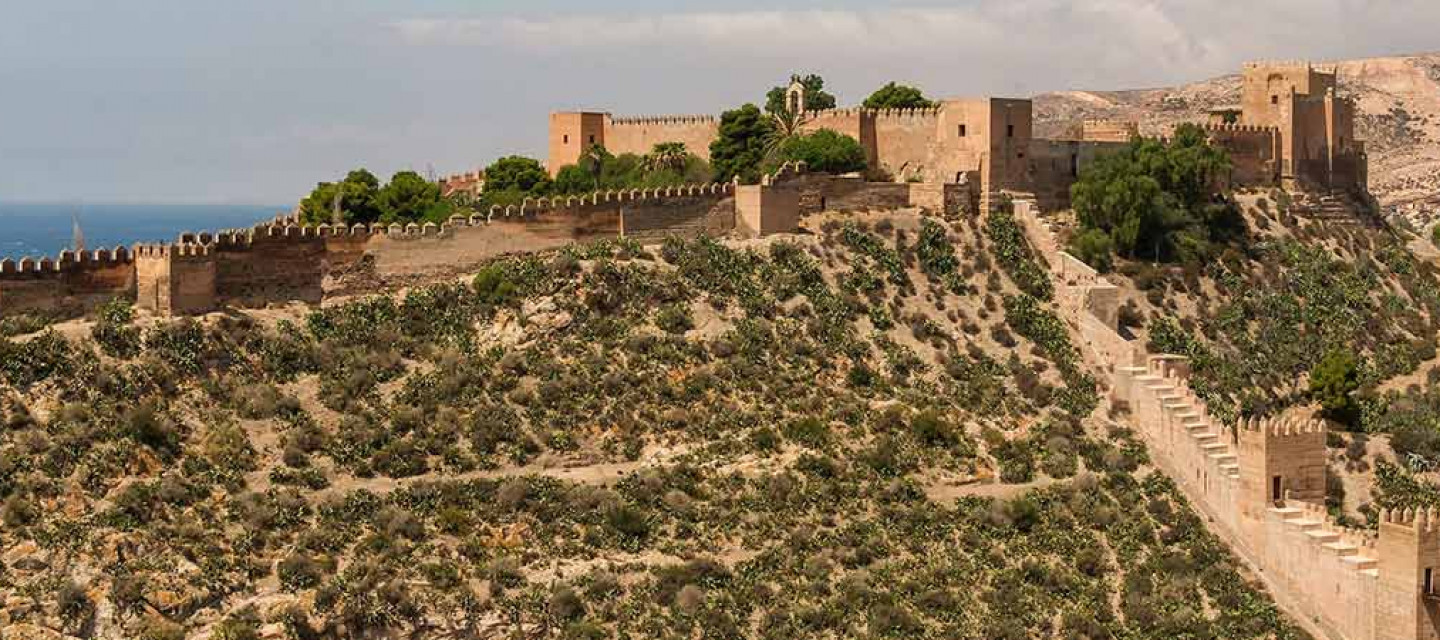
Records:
x=253, y=101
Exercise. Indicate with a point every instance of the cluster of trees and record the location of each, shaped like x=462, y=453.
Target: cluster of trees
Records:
x=1155, y=200
x=751, y=142
x=667, y=164
x=407, y=198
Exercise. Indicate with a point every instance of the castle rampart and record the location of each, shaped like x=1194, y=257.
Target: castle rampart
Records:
x=71, y=281
x=284, y=261
x=1261, y=483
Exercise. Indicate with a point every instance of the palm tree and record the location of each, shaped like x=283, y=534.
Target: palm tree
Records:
x=784, y=126
x=593, y=159
x=667, y=155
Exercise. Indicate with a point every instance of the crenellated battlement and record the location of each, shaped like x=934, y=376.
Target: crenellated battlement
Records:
x=1281, y=427
x=577, y=204
x=1425, y=520
x=183, y=251
x=1238, y=128
x=908, y=114
x=628, y=121
x=66, y=261
x=1281, y=64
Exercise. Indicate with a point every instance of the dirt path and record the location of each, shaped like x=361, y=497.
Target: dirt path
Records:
x=949, y=493
x=593, y=474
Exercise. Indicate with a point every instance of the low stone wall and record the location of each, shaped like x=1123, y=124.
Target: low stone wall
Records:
x=819, y=192
x=947, y=200
x=685, y=216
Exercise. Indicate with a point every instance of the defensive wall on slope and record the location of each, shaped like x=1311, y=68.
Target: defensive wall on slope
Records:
x=72, y=281
x=1260, y=482
x=284, y=261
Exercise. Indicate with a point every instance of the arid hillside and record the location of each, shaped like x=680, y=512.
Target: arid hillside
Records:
x=877, y=428
x=1398, y=99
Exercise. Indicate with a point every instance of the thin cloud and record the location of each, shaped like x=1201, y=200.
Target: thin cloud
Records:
x=1110, y=37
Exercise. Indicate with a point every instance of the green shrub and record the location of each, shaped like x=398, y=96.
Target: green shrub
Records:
x=1094, y=247
x=180, y=344
x=809, y=431
x=113, y=332
x=1015, y=256
x=493, y=285
x=41, y=358
x=1333, y=382
x=298, y=572
x=674, y=318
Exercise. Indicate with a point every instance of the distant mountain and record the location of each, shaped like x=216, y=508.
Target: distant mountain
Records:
x=1399, y=117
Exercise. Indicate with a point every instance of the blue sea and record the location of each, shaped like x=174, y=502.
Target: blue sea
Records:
x=45, y=229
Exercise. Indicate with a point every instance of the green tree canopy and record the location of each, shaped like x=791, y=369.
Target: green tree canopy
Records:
x=824, y=150
x=667, y=164
x=1158, y=199
x=408, y=198
x=1333, y=382
x=897, y=96
x=517, y=174
x=359, y=200
x=816, y=98
x=739, y=149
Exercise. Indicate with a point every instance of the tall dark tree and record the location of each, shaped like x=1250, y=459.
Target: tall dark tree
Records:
x=407, y=198
x=816, y=98
x=1159, y=200
x=739, y=149
x=897, y=96
x=359, y=204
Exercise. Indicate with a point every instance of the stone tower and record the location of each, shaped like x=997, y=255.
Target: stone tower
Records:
x=795, y=97
x=1409, y=550
x=571, y=133
x=1279, y=459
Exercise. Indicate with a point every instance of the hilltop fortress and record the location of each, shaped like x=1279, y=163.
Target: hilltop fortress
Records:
x=1260, y=483
x=1290, y=130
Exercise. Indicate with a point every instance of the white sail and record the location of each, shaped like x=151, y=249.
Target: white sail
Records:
x=77, y=237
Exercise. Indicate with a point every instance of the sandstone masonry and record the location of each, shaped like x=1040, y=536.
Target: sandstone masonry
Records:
x=1290, y=130
x=1261, y=483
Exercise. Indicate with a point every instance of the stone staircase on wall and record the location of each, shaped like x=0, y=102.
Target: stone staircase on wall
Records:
x=1333, y=208
x=1327, y=575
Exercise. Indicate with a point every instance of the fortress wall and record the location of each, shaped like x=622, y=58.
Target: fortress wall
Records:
x=640, y=135
x=1109, y=130
x=1313, y=558
x=688, y=216
x=459, y=247
x=270, y=264
x=761, y=211
x=1338, y=582
x=1252, y=151
x=903, y=138
x=71, y=283
x=822, y=192
x=944, y=199
x=177, y=278
x=1054, y=165
x=854, y=122
x=952, y=153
